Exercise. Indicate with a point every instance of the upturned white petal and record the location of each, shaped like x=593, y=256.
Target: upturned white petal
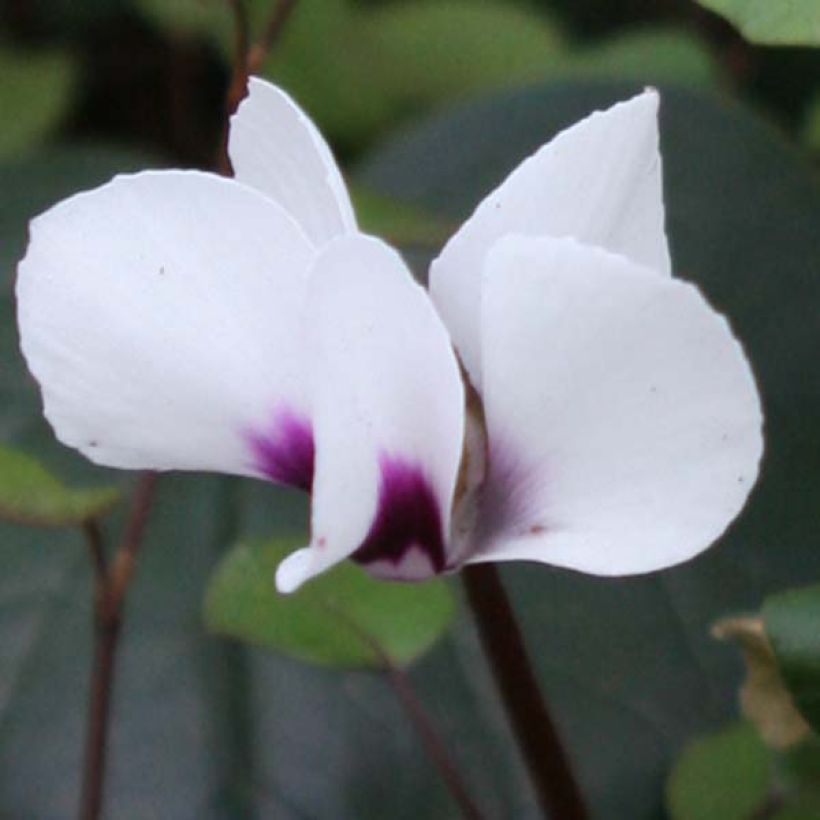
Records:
x=598, y=181
x=275, y=148
x=159, y=314
x=623, y=418
x=388, y=416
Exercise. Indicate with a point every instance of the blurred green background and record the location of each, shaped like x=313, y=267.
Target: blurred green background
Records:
x=428, y=104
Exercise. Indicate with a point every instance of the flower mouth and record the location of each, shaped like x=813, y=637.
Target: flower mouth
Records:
x=406, y=539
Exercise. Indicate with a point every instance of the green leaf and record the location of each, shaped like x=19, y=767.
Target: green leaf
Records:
x=36, y=92
x=724, y=776
x=811, y=126
x=208, y=18
x=326, y=60
x=343, y=618
x=645, y=55
x=396, y=221
x=799, y=769
x=29, y=494
x=804, y=808
x=792, y=622
x=772, y=22
x=434, y=50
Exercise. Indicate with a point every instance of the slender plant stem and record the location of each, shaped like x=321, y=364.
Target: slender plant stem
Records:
x=435, y=748
x=125, y=559
x=238, y=86
x=248, y=59
x=537, y=736
x=110, y=587
x=96, y=549
x=433, y=744
x=106, y=634
x=271, y=34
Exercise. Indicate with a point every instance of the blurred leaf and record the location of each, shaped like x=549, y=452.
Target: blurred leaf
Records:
x=724, y=776
x=799, y=769
x=647, y=55
x=803, y=808
x=764, y=697
x=36, y=92
x=342, y=618
x=772, y=22
x=435, y=50
x=396, y=221
x=811, y=128
x=792, y=622
x=29, y=494
x=208, y=18
x=327, y=61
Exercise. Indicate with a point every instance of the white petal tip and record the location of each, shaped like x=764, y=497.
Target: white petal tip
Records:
x=294, y=571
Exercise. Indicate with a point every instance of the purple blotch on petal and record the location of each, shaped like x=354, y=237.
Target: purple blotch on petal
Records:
x=285, y=452
x=506, y=499
x=408, y=518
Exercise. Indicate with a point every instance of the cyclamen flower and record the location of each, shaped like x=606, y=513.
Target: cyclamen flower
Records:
x=605, y=419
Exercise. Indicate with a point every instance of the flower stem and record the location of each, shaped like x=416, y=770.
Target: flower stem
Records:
x=110, y=587
x=433, y=745
x=431, y=740
x=537, y=736
x=248, y=58
x=271, y=34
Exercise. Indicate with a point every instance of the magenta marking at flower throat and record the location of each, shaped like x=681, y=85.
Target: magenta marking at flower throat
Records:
x=408, y=518
x=286, y=453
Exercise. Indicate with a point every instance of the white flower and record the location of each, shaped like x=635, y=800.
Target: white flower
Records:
x=179, y=320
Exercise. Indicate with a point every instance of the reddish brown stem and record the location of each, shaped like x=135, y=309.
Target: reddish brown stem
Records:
x=110, y=588
x=433, y=745
x=248, y=59
x=238, y=87
x=537, y=736
x=431, y=740
x=106, y=633
x=270, y=36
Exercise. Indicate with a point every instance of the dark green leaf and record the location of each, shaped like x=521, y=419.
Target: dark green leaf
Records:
x=811, y=127
x=644, y=55
x=396, y=221
x=772, y=22
x=792, y=622
x=801, y=809
x=343, y=618
x=724, y=776
x=437, y=50
x=29, y=494
x=36, y=92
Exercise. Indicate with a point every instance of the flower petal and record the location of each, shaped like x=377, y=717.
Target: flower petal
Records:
x=623, y=418
x=275, y=148
x=598, y=181
x=388, y=413
x=158, y=313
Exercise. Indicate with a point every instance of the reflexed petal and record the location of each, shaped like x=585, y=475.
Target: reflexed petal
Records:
x=275, y=148
x=599, y=181
x=388, y=417
x=159, y=313
x=623, y=418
